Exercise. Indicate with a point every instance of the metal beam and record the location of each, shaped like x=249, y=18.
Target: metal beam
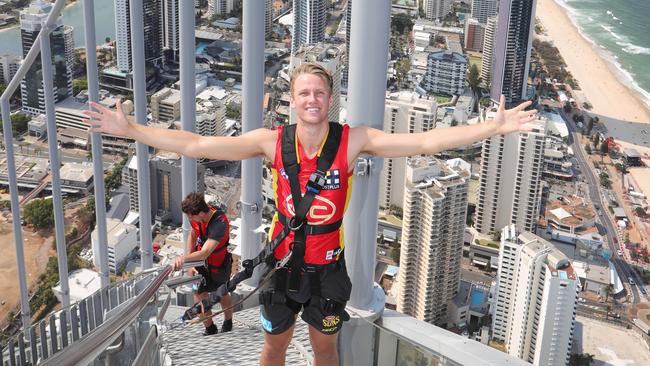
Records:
x=188, y=100
x=96, y=143
x=55, y=165
x=252, y=99
x=11, y=163
x=370, y=32
x=15, y=213
x=142, y=150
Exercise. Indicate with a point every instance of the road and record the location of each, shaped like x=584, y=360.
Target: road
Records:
x=622, y=268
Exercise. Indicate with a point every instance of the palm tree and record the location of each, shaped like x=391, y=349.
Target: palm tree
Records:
x=608, y=291
x=474, y=81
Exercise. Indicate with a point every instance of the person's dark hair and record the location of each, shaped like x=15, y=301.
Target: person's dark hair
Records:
x=194, y=204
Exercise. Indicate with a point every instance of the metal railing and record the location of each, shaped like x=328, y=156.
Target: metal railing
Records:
x=43, y=340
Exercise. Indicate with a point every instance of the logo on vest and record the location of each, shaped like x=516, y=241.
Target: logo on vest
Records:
x=283, y=174
x=331, y=254
x=321, y=210
x=332, y=179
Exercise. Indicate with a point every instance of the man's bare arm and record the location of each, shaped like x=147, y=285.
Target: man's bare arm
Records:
x=365, y=140
x=254, y=143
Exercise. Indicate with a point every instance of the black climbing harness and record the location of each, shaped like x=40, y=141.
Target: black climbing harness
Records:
x=298, y=224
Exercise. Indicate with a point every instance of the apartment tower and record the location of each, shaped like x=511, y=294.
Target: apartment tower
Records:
x=534, y=314
x=62, y=49
x=510, y=182
x=483, y=9
x=309, y=20
x=512, y=50
x=435, y=205
x=405, y=112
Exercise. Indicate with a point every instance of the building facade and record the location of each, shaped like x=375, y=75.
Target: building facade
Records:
x=435, y=205
x=512, y=50
x=510, y=180
x=405, y=112
x=474, y=35
x=484, y=9
x=171, y=28
x=32, y=93
x=446, y=73
x=9, y=65
x=488, y=50
x=309, y=20
x=536, y=299
x=165, y=178
x=436, y=9
x=153, y=33
x=166, y=105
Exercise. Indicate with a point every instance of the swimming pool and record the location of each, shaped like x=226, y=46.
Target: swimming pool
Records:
x=477, y=297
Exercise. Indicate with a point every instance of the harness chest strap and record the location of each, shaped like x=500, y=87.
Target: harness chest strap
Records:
x=314, y=185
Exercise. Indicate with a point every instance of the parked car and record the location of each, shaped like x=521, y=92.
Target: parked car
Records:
x=620, y=253
x=630, y=280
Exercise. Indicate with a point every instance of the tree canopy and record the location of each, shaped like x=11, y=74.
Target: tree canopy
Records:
x=40, y=213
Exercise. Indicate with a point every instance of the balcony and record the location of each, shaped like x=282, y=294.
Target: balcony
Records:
x=137, y=321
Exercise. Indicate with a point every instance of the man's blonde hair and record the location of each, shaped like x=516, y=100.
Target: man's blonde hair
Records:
x=313, y=69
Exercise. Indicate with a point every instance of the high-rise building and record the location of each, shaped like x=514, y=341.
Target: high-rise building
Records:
x=512, y=50
x=171, y=29
x=222, y=7
x=436, y=9
x=483, y=9
x=435, y=205
x=328, y=56
x=268, y=18
x=348, y=26
x=153, y=33
x=474, y=34
x=165, y=178
x=511, y=172
x=9, y=65
x=32, y=93
x=534, y=313
x=488, y=50
x=405, y=112
x=446, y=73
x=309, y=20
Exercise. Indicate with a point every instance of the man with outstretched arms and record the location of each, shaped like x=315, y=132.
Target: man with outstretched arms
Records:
x=208, y=241
x=306, y=164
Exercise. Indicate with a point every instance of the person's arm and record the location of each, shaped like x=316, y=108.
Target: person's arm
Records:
x=365, y=140
x=191, y=241
x=217, y=236
x=254, y=143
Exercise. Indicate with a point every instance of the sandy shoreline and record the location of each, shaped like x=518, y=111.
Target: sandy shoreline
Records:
x=599, y=83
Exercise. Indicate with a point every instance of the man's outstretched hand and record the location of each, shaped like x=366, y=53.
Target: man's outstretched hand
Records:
x=514, y=119
x=106, y=120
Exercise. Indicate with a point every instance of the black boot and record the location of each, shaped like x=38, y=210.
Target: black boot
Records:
x=212, y=329
x=226, y=326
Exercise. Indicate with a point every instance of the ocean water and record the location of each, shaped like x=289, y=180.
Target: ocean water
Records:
x=620, y=30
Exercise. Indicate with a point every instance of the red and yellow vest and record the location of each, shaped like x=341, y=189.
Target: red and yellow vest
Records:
x=328, y=206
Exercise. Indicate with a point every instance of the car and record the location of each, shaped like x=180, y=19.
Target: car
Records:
x=582, y=300
x=630, y=280
x=619, y=253
x=642, y=290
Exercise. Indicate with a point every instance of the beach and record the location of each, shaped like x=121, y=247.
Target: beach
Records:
x=600, y=84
